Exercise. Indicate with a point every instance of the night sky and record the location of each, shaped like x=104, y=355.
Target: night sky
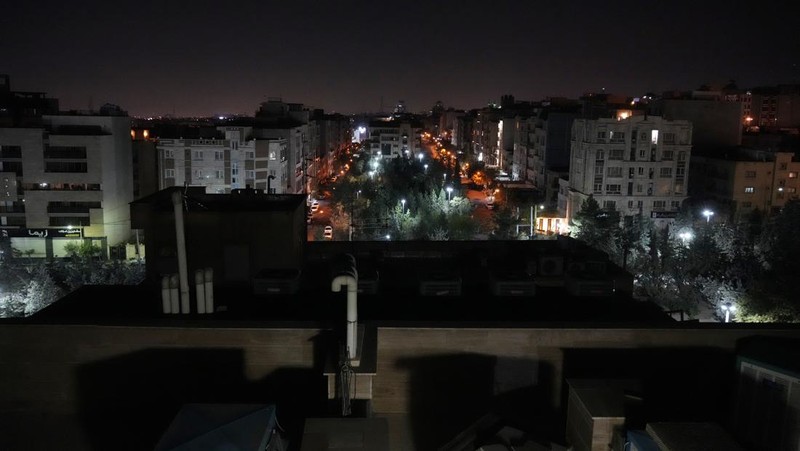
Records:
x=214, y=57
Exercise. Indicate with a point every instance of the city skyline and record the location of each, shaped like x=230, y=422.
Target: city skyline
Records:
x=189, y=60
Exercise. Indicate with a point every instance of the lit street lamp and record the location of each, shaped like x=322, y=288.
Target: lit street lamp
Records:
x=728, y=308
x=426, y=167
x=708, y=214
x=403, y=201
x=449, y=191
x=686, y=236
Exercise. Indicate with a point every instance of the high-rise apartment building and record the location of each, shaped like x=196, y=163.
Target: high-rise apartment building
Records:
x=637, y=165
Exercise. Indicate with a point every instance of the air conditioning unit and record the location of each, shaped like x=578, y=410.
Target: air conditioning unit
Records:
x=550, y=265
x=440, y=284
x=276, y=282
x=589, y=286
x=368, y=281
x=513, y=283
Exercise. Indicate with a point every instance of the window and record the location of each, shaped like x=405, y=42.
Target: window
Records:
x=747, y=204
x=639, y=204
x=65, y=152
x=639, y=188
x=630, y=204
x=784, y=166
x=615, y=171
x=617, y=136
x=750, y=174
x=169, y=153
x=198, y=155
x=598, y=188
x=610, y=204
x=272, y=155
x=641, y=170
x=169, y=173
x=219, y=155
x=667, y=155
x=250, y=155
x=234, y=169
x=665, y=173
x=613, y=189
x=198, y=173
x=601, y=136
x=599, y=155
x=791, y=190
x=63, y=166
x=793, y=175
x=659, y=204
x=680, y=171
x=219, y=174
x=250, y=174
x=749, y=189
x=642, y=153
x=615, y=154
x=654, y=137
x=682, y=156
x=669, y=138
x=10, y=152
x=675, y=204
x=678, y=188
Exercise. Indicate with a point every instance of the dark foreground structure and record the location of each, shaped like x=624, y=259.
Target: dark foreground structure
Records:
x=459, y=341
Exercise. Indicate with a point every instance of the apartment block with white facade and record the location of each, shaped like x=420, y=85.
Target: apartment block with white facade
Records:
x=233, y=161
x=634, y=165
x=69, y=177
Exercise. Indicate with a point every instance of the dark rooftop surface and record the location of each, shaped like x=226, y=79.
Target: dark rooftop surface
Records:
x=198, y=200
x=397, y=297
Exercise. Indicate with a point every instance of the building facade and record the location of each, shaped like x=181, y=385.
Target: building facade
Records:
x=235, y=160
x=71, y=177
x=747, y=180
x=637, y=165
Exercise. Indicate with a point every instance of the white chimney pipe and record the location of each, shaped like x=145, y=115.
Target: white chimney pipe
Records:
x=200, y=288
x=209, y=282
x=180, y=238
x=351, y=282
x=166, y=307
x=173, y=294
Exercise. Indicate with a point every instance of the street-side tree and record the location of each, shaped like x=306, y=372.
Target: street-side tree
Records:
x=597, y=227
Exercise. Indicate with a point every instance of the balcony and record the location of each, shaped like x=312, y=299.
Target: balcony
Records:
x=14, y=209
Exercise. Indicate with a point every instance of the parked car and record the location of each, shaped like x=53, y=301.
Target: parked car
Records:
x=314, y=206
x=328, y=233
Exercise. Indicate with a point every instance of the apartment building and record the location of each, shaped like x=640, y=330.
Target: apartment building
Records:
x=636, y=165
x=232, y=160
x=394, y=138
x=747, y=179
x=70, y=177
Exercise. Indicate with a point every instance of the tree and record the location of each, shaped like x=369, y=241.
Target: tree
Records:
x=598, y=228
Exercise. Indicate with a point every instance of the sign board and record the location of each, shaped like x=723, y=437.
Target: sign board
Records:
x=664, y=214
x=56, y=232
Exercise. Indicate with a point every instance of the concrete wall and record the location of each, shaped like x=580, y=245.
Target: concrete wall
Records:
x=105, y=375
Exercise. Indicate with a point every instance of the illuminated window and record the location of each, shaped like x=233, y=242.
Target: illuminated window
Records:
x=793, y=175
x=749, y=189
x=654, y=136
